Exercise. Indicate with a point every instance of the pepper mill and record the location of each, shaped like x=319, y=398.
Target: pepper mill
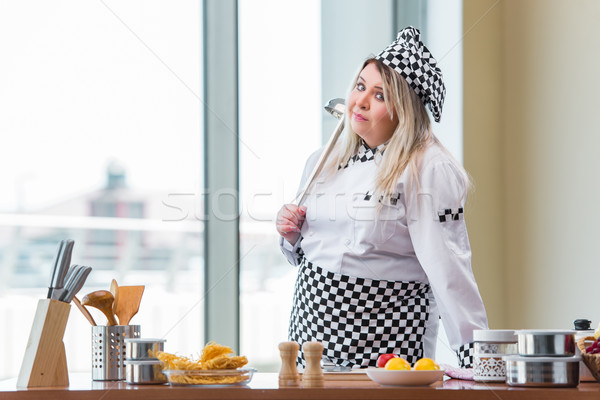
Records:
x=288, y=375
x=313, y=374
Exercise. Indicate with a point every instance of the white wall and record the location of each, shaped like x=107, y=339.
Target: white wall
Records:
x=551, y=61
x=531, y=86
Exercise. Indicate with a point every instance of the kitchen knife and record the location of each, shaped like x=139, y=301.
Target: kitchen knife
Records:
x=61, y=246
x=329, y=366
x=75, y=284
x=58, y=293
x=61, y=265
x=72, y=270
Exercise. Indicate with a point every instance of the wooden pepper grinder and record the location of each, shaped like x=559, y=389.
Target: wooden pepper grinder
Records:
x=313, y=374
x=288, y=375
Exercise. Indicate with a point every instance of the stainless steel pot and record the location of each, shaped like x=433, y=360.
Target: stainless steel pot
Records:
x=143, y=349
x=546, y=343
x=144, y=372
x=542, y=371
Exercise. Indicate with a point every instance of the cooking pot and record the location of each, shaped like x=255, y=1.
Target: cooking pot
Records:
x=143, y=349
x=542, y=371
x=546, y=343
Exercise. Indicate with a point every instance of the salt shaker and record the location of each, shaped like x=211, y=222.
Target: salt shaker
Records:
x=313, y=374
x=288, y=375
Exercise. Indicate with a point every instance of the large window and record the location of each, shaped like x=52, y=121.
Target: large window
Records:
x=101, y=126
x=102, y=120
x=280, y=125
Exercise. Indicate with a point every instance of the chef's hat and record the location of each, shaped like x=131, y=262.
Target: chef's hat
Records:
x=408, y=56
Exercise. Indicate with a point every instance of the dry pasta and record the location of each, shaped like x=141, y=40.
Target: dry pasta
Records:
x=171, y=361
x=224, y=362
x=214, y=357
x=213, y=350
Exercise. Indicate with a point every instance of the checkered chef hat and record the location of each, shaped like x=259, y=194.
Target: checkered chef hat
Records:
x=408, y=56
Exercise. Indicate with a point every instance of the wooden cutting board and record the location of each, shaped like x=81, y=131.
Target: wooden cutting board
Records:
x=354, y=375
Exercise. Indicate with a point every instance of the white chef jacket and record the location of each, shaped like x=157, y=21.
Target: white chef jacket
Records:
x=343, y=233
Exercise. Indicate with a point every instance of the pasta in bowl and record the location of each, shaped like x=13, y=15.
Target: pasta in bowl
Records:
x=204, y=377
x=217, y=365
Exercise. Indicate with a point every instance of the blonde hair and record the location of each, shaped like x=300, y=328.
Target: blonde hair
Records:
x=411, y=137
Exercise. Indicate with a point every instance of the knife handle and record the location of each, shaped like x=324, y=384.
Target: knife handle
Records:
x=55, y=267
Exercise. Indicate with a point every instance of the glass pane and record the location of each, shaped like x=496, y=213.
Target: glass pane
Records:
x=102, y=125
x=280, y=126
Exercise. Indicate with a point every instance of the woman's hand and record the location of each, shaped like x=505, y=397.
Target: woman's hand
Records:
x=289, y=221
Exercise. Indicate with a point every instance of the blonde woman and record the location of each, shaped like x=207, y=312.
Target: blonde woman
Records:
x=381, y=242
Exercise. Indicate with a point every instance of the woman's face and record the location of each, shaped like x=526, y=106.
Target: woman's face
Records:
x=370, y=118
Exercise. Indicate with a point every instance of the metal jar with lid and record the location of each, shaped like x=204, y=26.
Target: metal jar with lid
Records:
x=583, y=329
x=491, y=345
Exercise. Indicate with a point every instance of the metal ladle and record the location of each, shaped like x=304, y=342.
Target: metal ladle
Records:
x=103, y=301
x=337, y=108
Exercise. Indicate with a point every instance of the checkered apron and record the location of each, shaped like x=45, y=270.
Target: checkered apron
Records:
x=358, y=319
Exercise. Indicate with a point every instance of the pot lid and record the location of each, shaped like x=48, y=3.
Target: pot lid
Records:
x=532, y=359
x=142, y=362
x=545, y=332
x=142, y=340
x=494, y=335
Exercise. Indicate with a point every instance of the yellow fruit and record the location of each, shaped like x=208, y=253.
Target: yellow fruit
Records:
x=426, y=364
x=597, y=333
x=397, y=363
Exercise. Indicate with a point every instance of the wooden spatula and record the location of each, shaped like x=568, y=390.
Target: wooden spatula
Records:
x=114, y=289
x=129, y=302
x=84, y=311
x=102, y=300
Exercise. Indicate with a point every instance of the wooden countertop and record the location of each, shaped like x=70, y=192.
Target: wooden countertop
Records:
x=265, y=386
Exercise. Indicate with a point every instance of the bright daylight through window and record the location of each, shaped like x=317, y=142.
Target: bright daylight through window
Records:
x=101, y=102
x=103, y=123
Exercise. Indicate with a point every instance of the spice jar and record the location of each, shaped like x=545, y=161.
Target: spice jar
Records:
x=491, y=345
x=583, y=329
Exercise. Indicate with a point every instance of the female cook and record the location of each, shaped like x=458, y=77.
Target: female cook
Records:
x=381, y=241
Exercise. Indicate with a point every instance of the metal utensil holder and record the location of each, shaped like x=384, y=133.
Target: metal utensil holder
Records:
x=108, y=351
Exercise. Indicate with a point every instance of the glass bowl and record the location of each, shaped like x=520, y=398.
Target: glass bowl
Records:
x=209, y=377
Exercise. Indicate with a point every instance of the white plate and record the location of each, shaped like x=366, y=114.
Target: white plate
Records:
x=404, y=378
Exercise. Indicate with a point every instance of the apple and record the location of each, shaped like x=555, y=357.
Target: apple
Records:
x=384, y=358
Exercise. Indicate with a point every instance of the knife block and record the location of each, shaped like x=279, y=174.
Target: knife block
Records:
x=45, y=361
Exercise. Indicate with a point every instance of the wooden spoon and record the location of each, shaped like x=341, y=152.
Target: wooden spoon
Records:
x=129, y=302
x=114, y=289
x=84, y=311
x=102, y=300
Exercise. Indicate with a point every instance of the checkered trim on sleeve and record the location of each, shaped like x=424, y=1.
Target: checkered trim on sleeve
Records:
x=451, y=214
x=299, y=254
x=465, y=355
